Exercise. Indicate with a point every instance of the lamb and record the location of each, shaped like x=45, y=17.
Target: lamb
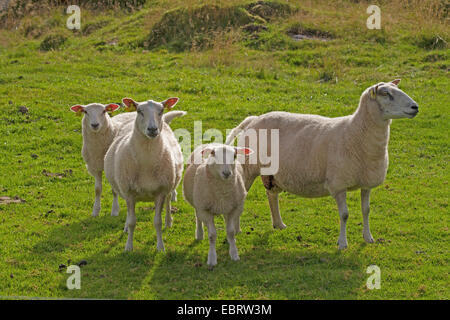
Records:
x=216, y=186
x=146, y=164
x=98, y=131
x=321, y=156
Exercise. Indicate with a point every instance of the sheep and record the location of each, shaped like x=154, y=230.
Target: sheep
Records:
x=321, y=156
x=216, y=186
x=98, y=131
x=146, y=164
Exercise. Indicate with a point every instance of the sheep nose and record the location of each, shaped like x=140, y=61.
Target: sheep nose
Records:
x=226, y=174
x=95, y=125
x=415, y=107
x=152, y=131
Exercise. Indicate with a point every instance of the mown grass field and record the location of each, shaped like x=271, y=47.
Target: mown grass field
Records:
x=235, y=75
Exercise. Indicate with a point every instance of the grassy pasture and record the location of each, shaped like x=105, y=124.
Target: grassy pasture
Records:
x=233, y=74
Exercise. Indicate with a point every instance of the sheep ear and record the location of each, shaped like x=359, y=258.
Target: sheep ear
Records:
x=241, y=150
x=208, y=151
x=170, y=103
x=111, y=107
x=373, y=92
x=130, y=104
x=78, y=109
x=396, y=82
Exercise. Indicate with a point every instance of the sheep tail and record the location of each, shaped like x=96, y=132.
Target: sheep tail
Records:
x=169, y=116
x=239, y=129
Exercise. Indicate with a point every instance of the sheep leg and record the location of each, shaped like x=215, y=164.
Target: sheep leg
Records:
x=130, y=224
x=174, y=195
x=275, y=210
x=115, y=206
x=341, y=200
x=237, y=225
x=157, y=222
x=365, y=208
x=199, y=230
x=230, y=221
x=98, y=193
x=212, y=235
x=169, y=219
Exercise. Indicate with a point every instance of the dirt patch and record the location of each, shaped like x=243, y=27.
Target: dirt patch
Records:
x=299, y=32
x=269, y=10
x=185, y=28
x=8, y=200
x=66, y=173
x=52, y=42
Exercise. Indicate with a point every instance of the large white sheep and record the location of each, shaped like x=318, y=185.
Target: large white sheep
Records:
x=216, y=186
x=321, y=156
x=146, y=164
x=99, y=131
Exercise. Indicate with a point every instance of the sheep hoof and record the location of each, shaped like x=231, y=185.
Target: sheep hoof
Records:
x=369, y=239
x=280, y=226
x=128, y=247
x=169, y=223
x=212, y=260
x=342, y=246
x=160, y=247
x=95, y=212
x=235, y=258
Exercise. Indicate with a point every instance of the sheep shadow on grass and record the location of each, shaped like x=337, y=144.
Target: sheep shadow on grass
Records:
x=262, y=273
x=265, y=271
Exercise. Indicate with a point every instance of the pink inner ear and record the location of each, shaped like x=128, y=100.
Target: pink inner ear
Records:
x=76, y=108
x=396, y=82
x=169, y=103
x=112, y=107
x=245, y=151
x=128, y=102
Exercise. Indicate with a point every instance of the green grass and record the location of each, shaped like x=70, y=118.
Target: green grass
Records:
x=221, y=86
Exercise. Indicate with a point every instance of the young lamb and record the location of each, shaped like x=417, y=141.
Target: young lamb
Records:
x=216, y=186
x=146, y=164
x=99, y=130
x=321, y=156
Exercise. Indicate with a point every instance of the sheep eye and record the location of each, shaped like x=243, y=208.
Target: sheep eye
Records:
x=140, y=112
x=391, y=97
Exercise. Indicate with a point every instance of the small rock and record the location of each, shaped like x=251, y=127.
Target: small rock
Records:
x=34, y=156
x=420, y=252
x=299, y=238
x=11, y=276
x=23, y=110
